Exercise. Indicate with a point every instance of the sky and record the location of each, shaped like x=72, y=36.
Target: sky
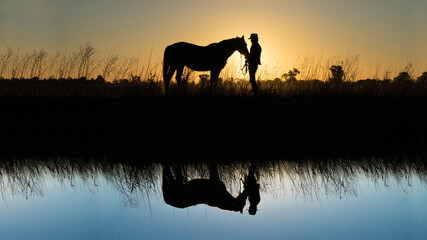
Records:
x=384, y=33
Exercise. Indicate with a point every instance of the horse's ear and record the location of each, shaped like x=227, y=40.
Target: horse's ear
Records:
x=243, y=36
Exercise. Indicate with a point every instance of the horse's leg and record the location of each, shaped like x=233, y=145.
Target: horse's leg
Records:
x=213, y=171
x=167, y=177
x=214, y=78
x=180, y=173
x=167, y=77
x=178, y=76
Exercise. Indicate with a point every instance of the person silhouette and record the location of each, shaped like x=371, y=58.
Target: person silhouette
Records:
x=254, y=60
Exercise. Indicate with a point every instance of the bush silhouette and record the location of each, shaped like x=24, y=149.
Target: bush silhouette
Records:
x=337, y=74
x=422, y=78
x=291, y=75
x=402, y=77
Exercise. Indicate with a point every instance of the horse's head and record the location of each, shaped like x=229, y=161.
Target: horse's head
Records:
x=241, y=46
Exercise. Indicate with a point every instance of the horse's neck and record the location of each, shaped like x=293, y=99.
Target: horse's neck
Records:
x=229, y=50
x=214, y=193
x=226, y=48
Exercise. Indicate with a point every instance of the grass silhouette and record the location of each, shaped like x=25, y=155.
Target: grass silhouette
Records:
x=401, y=86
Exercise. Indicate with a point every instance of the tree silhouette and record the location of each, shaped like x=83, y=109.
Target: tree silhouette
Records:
x=291, y=75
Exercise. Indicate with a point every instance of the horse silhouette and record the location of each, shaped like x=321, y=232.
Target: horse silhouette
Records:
x=211, y=58
x=180, y=193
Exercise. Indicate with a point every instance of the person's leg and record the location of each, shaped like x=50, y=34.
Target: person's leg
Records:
x=252, y=188
x=252, y=72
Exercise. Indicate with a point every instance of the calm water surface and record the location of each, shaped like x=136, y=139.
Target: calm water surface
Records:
x=63, y=198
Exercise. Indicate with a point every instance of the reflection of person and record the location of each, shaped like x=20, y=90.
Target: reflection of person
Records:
x=254, y=60
x=252, y=189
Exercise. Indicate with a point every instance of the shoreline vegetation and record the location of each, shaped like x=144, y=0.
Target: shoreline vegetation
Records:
x=132, y=115
x=289, y=118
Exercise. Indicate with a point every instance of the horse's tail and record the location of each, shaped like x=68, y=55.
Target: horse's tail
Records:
x=166, y=68
x=165, y=63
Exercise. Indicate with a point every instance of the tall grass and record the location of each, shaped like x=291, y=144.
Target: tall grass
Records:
x=113, y=75
x=85, y=62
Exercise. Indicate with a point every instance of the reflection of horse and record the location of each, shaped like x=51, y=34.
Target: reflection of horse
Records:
x=181, y=193
x=209, y=58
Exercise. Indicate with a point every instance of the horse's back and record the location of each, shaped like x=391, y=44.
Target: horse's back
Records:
x=199, y=58
x=183, y=46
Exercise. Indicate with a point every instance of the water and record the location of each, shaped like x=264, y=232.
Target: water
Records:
x=363, y=198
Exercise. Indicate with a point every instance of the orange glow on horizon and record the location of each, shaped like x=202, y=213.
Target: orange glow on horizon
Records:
x=386, y=36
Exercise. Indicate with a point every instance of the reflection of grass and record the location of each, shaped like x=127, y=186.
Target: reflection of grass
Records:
x=136, y=180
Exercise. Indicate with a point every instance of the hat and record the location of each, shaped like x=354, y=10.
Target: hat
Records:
x=254, y=36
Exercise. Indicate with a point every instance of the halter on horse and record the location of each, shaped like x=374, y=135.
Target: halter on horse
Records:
x=209, y=58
